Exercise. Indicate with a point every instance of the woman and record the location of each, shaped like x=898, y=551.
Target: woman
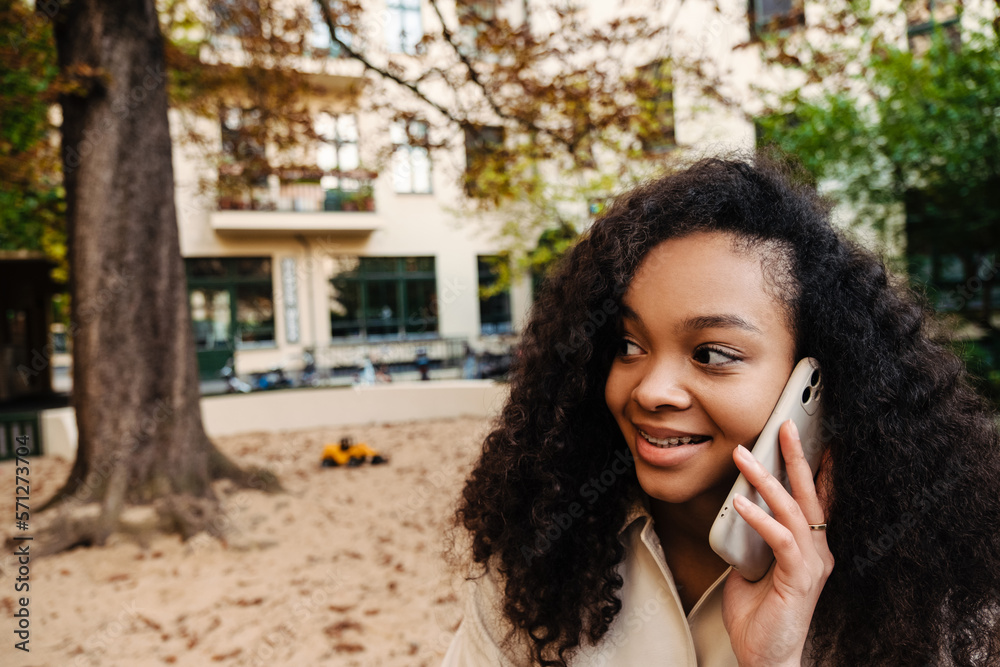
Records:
x=659, y=346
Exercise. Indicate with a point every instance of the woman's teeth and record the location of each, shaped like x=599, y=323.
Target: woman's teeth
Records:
x=672, y=442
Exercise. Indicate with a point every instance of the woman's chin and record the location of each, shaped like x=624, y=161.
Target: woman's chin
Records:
x=676, y=492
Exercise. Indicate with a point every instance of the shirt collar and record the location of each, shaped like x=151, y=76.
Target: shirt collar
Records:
x=638, y=510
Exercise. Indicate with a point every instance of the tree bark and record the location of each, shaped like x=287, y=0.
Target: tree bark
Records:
x=135, y=381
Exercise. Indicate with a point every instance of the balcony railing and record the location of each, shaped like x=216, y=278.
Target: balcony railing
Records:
x=351, y=192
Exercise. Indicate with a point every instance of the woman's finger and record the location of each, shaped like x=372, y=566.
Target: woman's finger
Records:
x=785, y=508
x=800, y=475
x=780, y=538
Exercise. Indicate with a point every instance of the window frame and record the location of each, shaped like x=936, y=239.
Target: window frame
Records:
x=951, y=28
x=655, y=72
x=472, y=16
x=479, y=147
x=407, y=147
x=240, y=147
x=320, y=41
x=412, y=321
x=231, y=280
x=401, y=42
x=338, y=143
x=783, y=22
x=486, y=276
x=226, y=13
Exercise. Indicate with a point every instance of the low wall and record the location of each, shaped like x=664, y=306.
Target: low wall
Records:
x=380, y=404
x=59, y=434
x=293, y=409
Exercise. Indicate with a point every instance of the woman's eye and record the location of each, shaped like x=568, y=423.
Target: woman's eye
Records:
x=713, y=356
x=627, y=347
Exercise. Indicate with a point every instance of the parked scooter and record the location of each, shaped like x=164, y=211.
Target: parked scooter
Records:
x=234, y=384
x=272, y=379
x=310, y=372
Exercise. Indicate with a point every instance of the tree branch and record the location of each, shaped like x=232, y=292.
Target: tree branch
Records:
x=328, y=19
x=473, y=77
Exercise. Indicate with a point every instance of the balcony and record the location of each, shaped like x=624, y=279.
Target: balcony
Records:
x=300, y=202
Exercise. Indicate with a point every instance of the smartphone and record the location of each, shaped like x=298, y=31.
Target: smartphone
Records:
x=731, y=536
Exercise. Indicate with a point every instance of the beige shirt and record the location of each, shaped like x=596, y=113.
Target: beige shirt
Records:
x=650, y=629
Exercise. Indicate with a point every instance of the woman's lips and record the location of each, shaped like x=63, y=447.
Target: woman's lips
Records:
x=664, y=456
x=671, y=440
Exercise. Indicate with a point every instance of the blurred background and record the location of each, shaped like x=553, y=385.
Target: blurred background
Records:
x=235, y=232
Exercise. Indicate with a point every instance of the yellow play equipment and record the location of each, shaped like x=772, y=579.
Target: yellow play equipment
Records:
x=349, y=454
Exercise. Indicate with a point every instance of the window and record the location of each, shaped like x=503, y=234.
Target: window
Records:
x=925, y=16
x=231, y=301
x=958, y=266
x=337, y=182
x=654, y=122
x=237, y=18
x=403, y=27
x=320, y=43
x=254, y=313
x=770, y=15
x=337, y=154
x=411, y=162
x=383, y=297
x=483, y=147
x=243, y=157
x=494, y=310
x=473, y=12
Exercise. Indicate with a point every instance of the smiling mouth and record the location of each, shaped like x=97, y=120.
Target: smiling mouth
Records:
x=674, y=442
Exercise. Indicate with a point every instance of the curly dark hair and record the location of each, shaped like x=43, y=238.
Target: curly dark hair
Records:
x=915, y=474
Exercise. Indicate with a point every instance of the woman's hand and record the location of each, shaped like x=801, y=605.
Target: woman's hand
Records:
x=768, y=620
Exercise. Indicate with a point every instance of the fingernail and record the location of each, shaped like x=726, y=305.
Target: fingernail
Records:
x=743, y=453
x=795, y=429
x=739, y=500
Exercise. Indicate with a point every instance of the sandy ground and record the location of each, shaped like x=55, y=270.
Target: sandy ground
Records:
x=344, y=569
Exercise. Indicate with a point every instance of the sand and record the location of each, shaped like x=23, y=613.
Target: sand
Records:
x=345, y=569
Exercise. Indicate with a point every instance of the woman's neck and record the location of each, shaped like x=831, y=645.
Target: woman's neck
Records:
x=683, y=531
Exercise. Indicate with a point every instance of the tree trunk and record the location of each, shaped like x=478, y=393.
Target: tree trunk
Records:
x=135, y=380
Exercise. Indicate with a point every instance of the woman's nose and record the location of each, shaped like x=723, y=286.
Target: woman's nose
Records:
x=663, y=387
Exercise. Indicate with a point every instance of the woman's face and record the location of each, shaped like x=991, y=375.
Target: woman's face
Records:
x=705, y=353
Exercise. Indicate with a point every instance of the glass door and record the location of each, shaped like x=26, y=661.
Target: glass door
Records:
x=211, y=318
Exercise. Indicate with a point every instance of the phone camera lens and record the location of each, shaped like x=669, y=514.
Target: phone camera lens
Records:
x=806, y=394
x=814, y=380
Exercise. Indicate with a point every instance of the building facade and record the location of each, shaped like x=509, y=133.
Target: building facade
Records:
x=365, y=253
x=343, y=261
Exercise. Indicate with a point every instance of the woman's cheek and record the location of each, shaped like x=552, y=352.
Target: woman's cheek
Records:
x=744, y=425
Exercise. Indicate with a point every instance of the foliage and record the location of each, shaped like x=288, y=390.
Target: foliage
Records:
x=982, y=358
x=32, y=207
x=924, y=123
x=918, y=131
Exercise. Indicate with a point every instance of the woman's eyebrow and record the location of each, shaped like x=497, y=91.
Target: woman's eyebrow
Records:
x=725, y=321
